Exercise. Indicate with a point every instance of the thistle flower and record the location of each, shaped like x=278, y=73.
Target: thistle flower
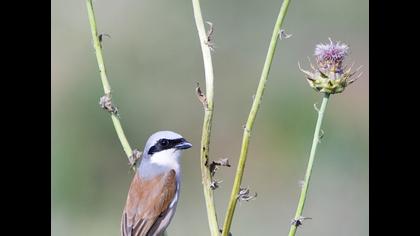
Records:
x=330, y=76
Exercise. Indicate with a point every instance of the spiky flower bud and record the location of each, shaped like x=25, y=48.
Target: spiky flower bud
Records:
x=330, y=76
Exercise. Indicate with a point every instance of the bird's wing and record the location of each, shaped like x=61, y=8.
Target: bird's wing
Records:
x=147, y=202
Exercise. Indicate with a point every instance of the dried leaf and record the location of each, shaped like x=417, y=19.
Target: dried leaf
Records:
x=201, y=97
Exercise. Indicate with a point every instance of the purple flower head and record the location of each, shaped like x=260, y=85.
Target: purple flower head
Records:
x=331, y=52
x=329, y=75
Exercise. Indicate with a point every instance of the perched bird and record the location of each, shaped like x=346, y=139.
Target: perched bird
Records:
x=154, y=191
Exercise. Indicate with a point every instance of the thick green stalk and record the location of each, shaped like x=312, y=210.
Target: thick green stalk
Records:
x=251, y=118
x=208, y=116
x=305, y=186
x=104, y=79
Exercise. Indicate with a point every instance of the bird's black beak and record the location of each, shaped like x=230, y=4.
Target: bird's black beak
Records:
x=183, y=145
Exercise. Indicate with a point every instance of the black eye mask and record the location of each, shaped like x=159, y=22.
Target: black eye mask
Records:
x=164, y=144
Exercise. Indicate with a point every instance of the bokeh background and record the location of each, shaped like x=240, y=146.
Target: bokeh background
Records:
x=153, y=61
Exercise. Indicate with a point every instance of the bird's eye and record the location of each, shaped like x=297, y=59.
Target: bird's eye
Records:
x=164, y=142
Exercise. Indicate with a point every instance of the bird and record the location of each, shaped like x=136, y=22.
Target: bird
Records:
x=154, y=191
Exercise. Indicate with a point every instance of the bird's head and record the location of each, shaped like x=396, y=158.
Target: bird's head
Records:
x=162, y=152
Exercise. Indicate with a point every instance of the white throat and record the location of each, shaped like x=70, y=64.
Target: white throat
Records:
x=168, y=158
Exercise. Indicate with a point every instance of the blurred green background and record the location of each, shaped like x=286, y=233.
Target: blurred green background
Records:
x=153, y=61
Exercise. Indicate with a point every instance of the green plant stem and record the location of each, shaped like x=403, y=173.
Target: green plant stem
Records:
x=305, y=186
x=104, y=79
x=251, y=118
x=208, y=116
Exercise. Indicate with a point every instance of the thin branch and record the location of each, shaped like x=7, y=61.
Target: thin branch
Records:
x=105, y=83
x=297, y=221
x=208, y=116
x=251, y=118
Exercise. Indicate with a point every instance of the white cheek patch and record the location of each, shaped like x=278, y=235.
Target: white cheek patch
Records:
x=167, y=158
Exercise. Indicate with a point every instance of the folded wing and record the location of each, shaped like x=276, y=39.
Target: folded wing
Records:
x=147, y=204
